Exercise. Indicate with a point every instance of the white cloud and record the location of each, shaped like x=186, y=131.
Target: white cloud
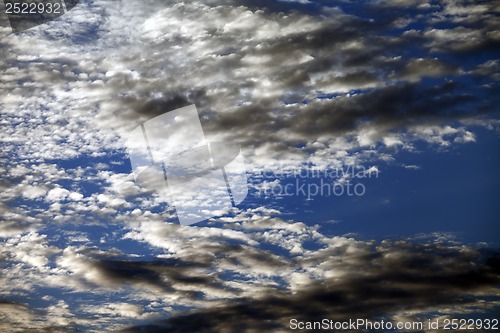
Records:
x=289, y=87
x=57, y=194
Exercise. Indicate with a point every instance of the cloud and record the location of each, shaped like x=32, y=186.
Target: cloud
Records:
x=396, y=280
x=269, y=80
x=247, y=271
x=291, y=83
x=17, y=317
x=117, y=310
x=31, y=249
x=289, y=79
x=110, y=272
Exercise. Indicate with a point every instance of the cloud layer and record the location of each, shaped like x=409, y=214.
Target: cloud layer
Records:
x=291, y=82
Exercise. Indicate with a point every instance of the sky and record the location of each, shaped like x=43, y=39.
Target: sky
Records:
x=369, y=132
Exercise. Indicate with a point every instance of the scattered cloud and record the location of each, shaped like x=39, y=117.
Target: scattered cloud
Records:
x=293, y=83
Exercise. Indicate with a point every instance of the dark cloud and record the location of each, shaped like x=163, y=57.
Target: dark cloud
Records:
x=260, y=76
x=390, y=109
x=194, y=270
x=15, y=317
x=271, y=76
x=164, y=274
x=383, y=284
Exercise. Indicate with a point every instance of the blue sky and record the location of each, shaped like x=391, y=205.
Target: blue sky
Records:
x=404, y=92
x=453, y=191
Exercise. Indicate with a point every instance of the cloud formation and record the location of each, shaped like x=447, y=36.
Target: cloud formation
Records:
x=389, y=282
x=84, y=248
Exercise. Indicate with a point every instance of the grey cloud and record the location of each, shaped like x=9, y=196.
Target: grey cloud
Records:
x=392, y=280
x=11, y=228
x=387, y=110
x=257, y=76
x=281, y=80
x=195, y=275
x=164, y=274
x=333, y=55
x=230, y=284
x=419, y=68
x=16, y=317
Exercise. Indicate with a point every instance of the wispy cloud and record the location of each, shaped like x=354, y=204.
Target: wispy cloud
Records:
x=292, y=82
